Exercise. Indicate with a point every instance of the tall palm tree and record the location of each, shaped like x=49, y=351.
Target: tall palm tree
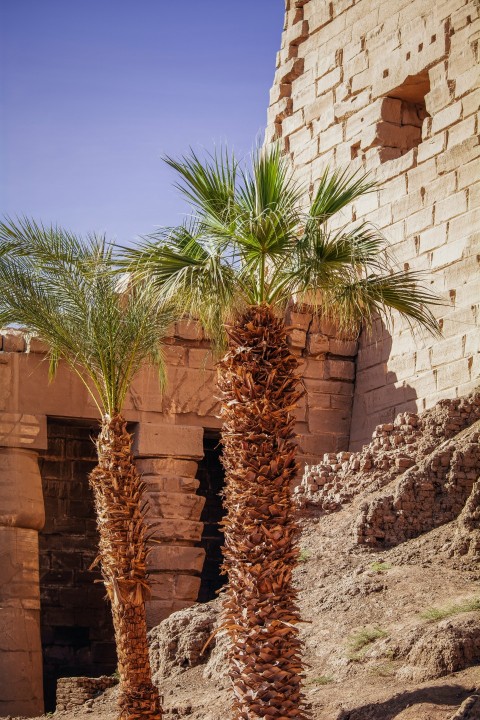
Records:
x=62, y=290
x=246, y=251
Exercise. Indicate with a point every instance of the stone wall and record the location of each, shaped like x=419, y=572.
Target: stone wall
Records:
x=169, y=430
x=355, y=80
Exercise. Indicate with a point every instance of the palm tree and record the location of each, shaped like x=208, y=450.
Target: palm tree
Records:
x=246, y=251
x=62, y=290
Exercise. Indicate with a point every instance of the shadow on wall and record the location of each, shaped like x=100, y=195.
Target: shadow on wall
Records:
x=379, y=394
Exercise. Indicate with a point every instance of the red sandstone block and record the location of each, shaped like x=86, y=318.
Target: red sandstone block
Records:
x=175, y=558
x=187, y=587
x=340, y=369
x=317, y=343
x=296, y=338
x=189, y=330
x=174, y=354
x=322, y=420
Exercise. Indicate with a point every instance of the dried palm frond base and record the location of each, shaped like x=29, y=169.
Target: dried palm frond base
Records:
x=259, y=383
x=118, y=492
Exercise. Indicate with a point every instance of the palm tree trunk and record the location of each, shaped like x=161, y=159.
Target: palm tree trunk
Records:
x=259, y=384
x=118, y=493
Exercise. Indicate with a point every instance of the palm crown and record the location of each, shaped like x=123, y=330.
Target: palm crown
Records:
x=60, y=287
x=249, y=242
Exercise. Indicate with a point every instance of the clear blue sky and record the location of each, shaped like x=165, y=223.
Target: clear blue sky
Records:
x=94, y=92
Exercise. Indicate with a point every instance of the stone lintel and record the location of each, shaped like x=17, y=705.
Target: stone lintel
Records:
x=21, y=430
x=177, y=441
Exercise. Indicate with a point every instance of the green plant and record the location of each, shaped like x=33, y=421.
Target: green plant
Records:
x=380, y=567
x=322, y=680
x=304, y=555
x=433, y=614
x=63, y=290
x=360, y=640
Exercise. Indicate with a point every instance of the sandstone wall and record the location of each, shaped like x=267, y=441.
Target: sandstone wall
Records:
x=168, y=443
x=392, y=87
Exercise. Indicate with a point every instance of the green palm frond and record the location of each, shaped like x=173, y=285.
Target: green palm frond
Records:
x=360, y=301
x=336, y=190
x=250, y=242
x=62, y=289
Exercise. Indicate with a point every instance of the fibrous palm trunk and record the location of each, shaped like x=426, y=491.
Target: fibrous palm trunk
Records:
x=259, y=383
x=118, y=493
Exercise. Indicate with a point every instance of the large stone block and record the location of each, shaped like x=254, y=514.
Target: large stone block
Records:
x=175, y=505
x=176, y=558
x=19, y=576
x=21, y=496
x=21, y=430
x=178, y=441
x=175, y=529
x=21, y=686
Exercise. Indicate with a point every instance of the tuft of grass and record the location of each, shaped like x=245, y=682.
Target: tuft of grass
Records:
x=322, y=680
x=433, y=614
x=359, y=641
x=380, y=567
x=304, y=555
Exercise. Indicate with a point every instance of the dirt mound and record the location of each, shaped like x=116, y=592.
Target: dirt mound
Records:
x=444, y=648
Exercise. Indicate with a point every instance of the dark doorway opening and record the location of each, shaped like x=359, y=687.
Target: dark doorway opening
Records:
x=212, y=478
x=77, y=632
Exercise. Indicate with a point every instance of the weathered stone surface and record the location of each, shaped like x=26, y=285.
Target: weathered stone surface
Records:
x=21, y=497
x=75, y=691
x=177, y=643
x=175, y=441
x=393, y=89
x=20, y=430
x=176, y=558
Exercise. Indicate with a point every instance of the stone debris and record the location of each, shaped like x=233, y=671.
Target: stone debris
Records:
x=74, y=691
x=395, y=448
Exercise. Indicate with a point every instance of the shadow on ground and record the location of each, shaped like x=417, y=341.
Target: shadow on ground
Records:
x=452, y=695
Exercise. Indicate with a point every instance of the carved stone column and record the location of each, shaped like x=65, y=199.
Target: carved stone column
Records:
x=167, y=458
x=22, y=515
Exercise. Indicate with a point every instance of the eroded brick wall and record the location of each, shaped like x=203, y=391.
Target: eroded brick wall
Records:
x=354, y=81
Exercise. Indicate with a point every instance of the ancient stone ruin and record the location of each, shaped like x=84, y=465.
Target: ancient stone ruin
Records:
x=385, y=86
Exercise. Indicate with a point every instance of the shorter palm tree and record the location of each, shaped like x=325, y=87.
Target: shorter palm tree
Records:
x=236, y=264
x=64, y=291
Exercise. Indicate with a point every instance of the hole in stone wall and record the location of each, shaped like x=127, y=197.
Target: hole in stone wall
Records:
x=403, y=112
x=77, y=632
x=212, y=478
